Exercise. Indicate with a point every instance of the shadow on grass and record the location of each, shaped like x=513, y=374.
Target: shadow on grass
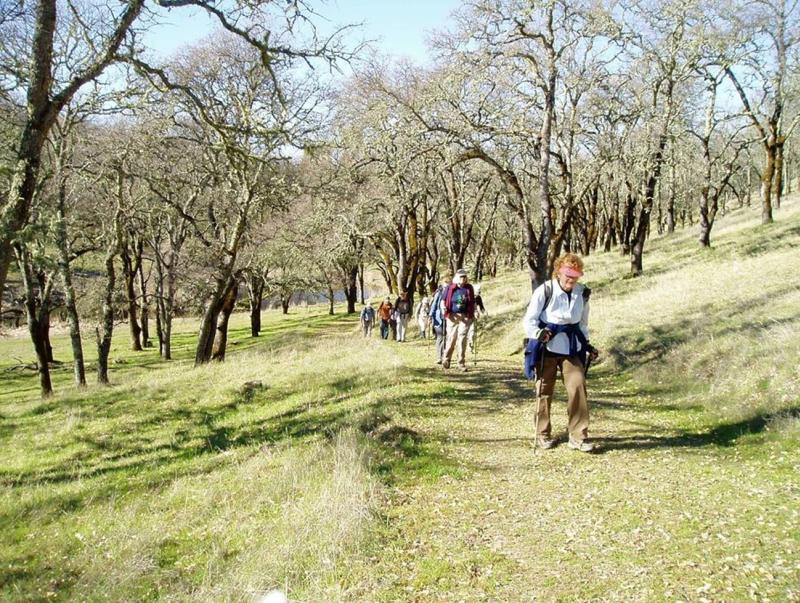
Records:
x=194, y=432
x=723, y=435
x=636, y=350
x=284, y=332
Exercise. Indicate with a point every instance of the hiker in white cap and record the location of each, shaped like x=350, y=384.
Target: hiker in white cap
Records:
x=459, y=312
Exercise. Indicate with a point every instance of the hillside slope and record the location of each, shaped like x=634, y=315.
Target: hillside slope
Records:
x=358, y=471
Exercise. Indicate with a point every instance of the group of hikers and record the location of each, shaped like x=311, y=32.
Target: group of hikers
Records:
x=556, y=338
x=448, y=314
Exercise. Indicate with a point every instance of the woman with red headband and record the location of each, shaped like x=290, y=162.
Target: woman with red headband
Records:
x=556, y=324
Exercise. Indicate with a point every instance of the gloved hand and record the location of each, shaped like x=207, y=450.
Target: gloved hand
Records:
x=593, y=352
x=545, y=335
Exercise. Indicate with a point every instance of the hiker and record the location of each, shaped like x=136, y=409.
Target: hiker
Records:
x=423, y=314
x=385, y=315
x=480, y=310
x=403, y=306
x=459, y=312
x=556, y=324
x=438, y=323
x=393, y=323
x=367, y=319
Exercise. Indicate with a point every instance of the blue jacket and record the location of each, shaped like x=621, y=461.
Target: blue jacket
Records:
x=535, y=349
x=436, y=314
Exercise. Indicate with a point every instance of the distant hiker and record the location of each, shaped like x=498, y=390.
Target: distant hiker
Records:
x=438, y=323
x=556, y=324
x=480, y=310
x=404, y=307
x=385, y=311
x=393, y=323
x=423, y=314
x=459, y=312
x=367, y=319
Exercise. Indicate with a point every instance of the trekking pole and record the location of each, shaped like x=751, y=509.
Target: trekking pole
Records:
x=543, y=339
x=538, y=404
x=475, y=344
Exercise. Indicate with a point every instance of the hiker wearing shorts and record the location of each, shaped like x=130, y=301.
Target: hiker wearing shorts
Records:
x=459, y=306
x=557, y=325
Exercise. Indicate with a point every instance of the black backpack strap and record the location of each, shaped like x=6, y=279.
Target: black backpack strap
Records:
x=587, y=293
x=548, y=294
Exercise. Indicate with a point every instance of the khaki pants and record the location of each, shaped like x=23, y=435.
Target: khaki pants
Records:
x=577, y=404
x=457, y=328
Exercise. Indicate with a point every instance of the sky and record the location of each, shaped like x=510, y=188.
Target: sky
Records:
x=398, y=27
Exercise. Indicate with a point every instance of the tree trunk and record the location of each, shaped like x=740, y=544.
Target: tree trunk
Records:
x=228, y=305
x=285, y=301
x=545, y=259
x=361, y=283
x=105, y=329
x=36, y=310
x=627, y=224
x=255, y=290
x=351, y=291
x=165, y=300
x=208, y=323
x=129, y=269
x=705, y=231
x=767, y=178
x=331, y=295
x=777, y=189
x=671, y=197
x=35, y=328
x=643, y=226
x=159, y=330
x=44, y=325
x=144, y=307
x=65, y=271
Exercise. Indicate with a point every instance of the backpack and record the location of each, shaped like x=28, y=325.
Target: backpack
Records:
x=436, y=306
x=403, y=306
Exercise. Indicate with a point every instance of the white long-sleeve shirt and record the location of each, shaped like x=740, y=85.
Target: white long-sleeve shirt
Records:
x=562, y=310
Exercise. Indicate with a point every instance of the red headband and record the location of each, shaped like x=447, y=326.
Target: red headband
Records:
x=570, y=271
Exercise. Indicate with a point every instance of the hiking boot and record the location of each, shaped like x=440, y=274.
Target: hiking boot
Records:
x=581, y=446
x=439, y=361
x=545, y=442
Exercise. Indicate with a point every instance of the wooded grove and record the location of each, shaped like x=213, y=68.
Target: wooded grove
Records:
x=280, y=157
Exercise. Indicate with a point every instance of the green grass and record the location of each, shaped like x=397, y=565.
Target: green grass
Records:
x=360, y=472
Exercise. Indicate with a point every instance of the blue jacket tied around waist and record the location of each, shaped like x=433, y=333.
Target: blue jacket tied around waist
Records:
x=535, y=348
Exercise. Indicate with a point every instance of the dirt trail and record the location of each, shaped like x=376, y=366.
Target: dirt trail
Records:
x=658, y=514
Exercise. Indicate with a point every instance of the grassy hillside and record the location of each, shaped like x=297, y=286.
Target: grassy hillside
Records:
x=357, y=471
